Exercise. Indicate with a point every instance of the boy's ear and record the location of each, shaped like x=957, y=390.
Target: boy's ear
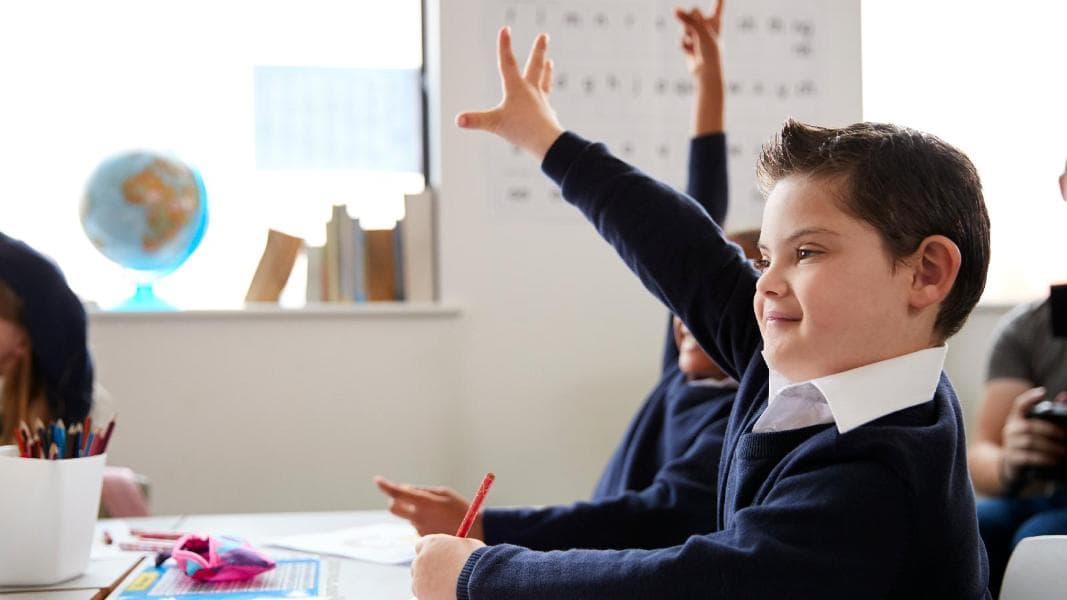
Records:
x=1063, y=186
x=936, y=264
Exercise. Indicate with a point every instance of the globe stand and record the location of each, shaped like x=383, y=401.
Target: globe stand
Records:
x=144, y=299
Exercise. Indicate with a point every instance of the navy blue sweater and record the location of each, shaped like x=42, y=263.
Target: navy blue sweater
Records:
x=660, y=485
x=883, y=511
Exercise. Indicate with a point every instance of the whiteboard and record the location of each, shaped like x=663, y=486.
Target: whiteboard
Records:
x=621, y=79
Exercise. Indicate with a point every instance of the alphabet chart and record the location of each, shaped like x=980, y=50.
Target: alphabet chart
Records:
x=621, y=78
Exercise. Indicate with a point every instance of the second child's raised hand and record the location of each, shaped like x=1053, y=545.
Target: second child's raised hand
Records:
x=700, y=43
x=524, y=116
x=429, y=509
x=698, y=52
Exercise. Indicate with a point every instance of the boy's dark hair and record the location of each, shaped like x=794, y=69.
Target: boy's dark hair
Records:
x=907, y=184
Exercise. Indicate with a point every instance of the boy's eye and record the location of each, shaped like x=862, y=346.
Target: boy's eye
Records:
x=761, y=264
x=803, y=253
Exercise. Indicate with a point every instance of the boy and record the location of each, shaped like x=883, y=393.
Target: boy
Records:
x=660, y=484
x=843, y=472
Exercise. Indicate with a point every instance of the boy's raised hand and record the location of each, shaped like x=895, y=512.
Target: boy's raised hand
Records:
x=524, y=116
x=429, y=509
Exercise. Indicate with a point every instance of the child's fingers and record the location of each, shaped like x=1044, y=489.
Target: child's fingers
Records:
x=406, y=492
x=404, y=510
x=716, y=15
x=1024, y=401
x=484, y=120
x=437, y=490
x=546, y=77
x=505, y=58
x=535, y=63
x=387, y=487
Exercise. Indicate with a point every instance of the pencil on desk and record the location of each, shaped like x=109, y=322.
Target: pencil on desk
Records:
x=157, y=535
x=53, y=451
x=476, y=505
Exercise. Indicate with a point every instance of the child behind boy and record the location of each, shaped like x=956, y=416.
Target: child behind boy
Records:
x=843, y=473
x=44, y=360
x=660, y=485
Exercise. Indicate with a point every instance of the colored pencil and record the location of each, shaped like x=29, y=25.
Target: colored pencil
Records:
x=106, y=436
x=157, y=535
x=21, y=443
x=88, y=451
x=476, y=505
x=143, y=546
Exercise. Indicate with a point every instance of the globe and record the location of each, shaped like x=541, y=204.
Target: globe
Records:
x=147, y=212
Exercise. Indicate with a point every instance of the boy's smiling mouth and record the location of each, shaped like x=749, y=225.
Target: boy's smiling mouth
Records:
x=774, y=317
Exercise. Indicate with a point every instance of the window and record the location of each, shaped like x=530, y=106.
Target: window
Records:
x=87, y=80
x=988, y=78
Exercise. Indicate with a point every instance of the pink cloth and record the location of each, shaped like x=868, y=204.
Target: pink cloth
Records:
x=122, y=495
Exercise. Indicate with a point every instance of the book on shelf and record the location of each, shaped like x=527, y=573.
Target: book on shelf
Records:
x=380, y=264
x=332, y=257
x=316, y=263
x=419, y=243
x=275, y=265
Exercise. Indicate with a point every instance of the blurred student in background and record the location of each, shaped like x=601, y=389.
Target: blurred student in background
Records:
x=45, y=367
x=1027, y=364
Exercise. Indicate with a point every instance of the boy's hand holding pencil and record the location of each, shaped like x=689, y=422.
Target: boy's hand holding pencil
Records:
x=440, y=558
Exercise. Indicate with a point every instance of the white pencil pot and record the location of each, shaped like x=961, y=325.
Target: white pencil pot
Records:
x=48, y=511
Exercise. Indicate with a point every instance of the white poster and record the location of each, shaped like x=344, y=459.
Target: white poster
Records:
x=620, y=78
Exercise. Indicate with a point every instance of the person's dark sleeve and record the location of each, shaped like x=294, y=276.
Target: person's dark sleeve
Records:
x=680, y=502
x=670, y=348
x=707, y=182
x=669, y=241
x=768, y=551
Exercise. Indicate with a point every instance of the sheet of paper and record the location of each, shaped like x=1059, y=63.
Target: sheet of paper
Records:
x=384, y=543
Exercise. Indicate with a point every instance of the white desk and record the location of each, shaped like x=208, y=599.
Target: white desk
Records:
x=344, y=578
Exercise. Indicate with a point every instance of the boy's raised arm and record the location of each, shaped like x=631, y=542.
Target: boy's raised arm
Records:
x=665, y=237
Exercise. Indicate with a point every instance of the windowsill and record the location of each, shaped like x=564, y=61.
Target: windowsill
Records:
x=273, y=311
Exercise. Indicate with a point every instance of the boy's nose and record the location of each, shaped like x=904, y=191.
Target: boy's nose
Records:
x=771, y=283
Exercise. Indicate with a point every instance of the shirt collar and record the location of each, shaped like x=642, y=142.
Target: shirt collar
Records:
x=866, y=393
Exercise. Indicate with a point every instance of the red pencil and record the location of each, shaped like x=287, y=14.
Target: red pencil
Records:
x=107, y=436
x=156, y=535
x=476, y=505
x=23, y=452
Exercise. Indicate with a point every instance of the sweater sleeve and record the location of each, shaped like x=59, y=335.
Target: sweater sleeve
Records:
x=669, y=241
x=767, y=552
x=680, y=502
x=707, y=185
x=707, y=182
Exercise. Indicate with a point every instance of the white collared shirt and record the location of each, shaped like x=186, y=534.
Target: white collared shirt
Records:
x=854, y=397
